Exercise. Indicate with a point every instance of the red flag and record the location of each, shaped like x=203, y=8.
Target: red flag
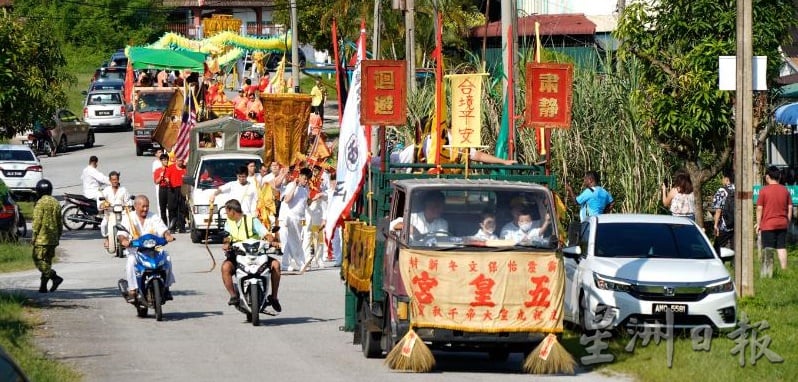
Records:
x=129, y=81
x=188, y=122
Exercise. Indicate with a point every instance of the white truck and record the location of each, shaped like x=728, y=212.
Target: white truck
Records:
x=216, y=154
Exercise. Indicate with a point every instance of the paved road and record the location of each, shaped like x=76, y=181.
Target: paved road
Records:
x=88, y=325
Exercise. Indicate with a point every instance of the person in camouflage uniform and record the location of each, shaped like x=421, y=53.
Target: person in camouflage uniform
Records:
x=46, y=234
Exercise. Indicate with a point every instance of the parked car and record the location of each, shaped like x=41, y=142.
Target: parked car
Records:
x=20, y=169
x=69, y=130
x=273, y=60
x=626, y=270
x=107, y=83
x=105, y=109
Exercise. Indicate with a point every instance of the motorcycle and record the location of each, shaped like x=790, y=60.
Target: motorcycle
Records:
x=78, y=211
x=151, y=274
x=253, y=277
x=42, y=143
x=113, y=215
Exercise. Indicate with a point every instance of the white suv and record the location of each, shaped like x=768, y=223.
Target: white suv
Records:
x=105, y=109
x=20, y=169
x=627, y=270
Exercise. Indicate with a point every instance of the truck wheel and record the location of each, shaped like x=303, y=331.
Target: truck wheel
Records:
x=139, y=151
x=369, y=341
x=196, y=236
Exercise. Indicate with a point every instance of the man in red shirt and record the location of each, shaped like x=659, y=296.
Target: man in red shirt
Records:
x=162, y=183
x=774, y=214
x=176, y=205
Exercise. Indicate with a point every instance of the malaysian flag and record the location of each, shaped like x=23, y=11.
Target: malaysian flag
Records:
x=189, y=120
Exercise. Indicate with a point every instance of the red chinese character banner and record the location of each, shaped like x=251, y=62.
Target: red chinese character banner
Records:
x=548, y=95
x=383, y=92
x=484, y=292
x=466, y=109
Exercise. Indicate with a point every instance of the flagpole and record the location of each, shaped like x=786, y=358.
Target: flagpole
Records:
x=338, y=84
x=511, y=98
x=438, y=88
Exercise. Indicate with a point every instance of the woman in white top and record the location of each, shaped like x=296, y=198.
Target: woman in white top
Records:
x=680, y=199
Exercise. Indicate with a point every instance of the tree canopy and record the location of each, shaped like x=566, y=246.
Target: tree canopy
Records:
x=32, y=82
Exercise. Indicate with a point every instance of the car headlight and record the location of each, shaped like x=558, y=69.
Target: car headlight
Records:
x=201, y=209
x=723, y=287
x=607, y=283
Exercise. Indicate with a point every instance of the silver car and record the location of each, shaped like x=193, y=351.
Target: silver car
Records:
x=105, y=109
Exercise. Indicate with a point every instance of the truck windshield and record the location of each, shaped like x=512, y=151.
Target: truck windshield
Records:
x=480, y=217
x=216, y=172
x=153, y=102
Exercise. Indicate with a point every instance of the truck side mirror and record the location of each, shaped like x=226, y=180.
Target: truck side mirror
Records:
x=188, y=180
x=574, y=252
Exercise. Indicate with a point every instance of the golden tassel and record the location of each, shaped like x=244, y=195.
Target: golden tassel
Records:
x=411, y=354
x=549, y=357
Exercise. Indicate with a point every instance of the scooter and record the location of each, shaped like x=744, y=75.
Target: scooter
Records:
x=151, y=274
x=253, y=277
x=41, y=143
x=78, y=211
x=113, y=216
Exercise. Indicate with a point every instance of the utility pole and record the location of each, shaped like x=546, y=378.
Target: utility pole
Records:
x=294, y=48
x=508, y=42
x=744, y=154
x=375, y=43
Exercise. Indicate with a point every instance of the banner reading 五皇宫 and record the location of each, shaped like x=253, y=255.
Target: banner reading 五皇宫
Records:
x=483, y=291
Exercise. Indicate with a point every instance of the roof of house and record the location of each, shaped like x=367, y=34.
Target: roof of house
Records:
x=559, y=24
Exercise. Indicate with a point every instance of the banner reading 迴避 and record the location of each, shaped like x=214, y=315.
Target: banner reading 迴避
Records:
x=484, y=292
x=383, y=92
x=466, y=126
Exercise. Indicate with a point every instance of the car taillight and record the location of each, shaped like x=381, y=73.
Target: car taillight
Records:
x=8, y=211
x=85, y=112
x=122, y=109
x=34, y=168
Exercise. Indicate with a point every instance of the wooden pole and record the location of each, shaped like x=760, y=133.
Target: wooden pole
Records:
x=743, y=154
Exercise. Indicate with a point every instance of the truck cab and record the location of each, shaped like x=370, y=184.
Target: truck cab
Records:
x=147, y=109
x=217, y=151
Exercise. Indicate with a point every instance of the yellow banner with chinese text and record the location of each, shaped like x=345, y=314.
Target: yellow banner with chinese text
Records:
x=360, y=256
x=466, y=126
x=484, y=291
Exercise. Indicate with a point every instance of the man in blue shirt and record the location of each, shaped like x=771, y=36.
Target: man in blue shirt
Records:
x=594, y=199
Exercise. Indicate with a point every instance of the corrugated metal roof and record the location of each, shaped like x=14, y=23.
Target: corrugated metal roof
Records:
x=550, y=25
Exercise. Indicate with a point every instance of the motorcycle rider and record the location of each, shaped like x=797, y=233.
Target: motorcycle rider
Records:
x=113, y=195
x=41, y=133
x=93, y=179
x=46, y=234
x=241, y=227
x=143, y=222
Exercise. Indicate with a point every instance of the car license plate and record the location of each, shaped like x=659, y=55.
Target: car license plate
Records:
x=14, y=173
x=675, y=308
x=103, y=113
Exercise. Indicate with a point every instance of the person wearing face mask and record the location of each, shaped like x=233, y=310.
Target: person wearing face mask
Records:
x=526, y=232
x=487, y=227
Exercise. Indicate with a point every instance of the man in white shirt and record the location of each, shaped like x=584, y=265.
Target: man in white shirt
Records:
x=144, y=222
x=93, y=179
x=335, y=243
x=312, y=235
x=291, y=217
x=242, y=190
x=427, y=221
x=114, y=195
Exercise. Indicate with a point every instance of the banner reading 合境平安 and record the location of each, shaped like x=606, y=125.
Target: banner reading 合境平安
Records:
x=548, y=95
x=484, y=292
x=466, y=126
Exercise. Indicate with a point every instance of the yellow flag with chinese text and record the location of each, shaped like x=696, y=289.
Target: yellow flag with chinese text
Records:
x=466, y=119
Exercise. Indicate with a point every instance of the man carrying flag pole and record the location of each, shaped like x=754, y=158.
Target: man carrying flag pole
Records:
x=352, y=152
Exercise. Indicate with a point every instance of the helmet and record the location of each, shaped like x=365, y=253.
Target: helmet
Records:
x=44, y=187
